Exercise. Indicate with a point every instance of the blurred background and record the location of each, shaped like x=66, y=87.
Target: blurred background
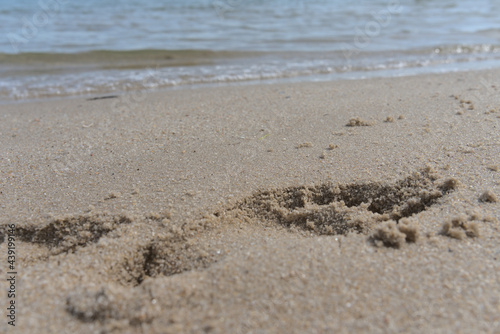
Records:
x=51, y=48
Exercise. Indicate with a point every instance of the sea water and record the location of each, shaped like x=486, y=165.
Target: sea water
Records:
x=51, y=48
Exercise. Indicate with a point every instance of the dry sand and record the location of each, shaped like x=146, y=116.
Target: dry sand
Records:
x=291, y=208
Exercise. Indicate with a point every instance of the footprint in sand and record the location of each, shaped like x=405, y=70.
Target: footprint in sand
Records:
x=326, y=209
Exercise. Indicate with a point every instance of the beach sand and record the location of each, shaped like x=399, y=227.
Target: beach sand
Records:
x=364, y=206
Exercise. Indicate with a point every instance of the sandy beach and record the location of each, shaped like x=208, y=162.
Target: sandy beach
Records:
x=363, y=206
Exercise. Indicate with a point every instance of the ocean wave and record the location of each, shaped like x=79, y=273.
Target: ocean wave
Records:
x=67, y=76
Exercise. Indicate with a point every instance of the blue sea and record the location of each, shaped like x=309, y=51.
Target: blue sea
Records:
x=56, y=48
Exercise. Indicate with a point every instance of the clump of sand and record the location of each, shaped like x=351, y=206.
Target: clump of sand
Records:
x=460, y=227
x=358, y=121
x=111, y=301
x=393, y=234
x=112, y=195
x=303, y=145
x=466, y=104
x=488, y=196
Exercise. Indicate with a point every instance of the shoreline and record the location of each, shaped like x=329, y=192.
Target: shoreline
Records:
x=35, y=76
x=317, y=78
x=239, y=208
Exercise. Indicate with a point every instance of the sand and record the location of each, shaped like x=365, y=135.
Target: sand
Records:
x=257, y=209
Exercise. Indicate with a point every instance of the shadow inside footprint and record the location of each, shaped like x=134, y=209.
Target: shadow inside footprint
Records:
x=68, y=233
x=343, y=208
x=164, y=257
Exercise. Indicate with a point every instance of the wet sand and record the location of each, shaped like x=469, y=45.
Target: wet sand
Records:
x=353, y=206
